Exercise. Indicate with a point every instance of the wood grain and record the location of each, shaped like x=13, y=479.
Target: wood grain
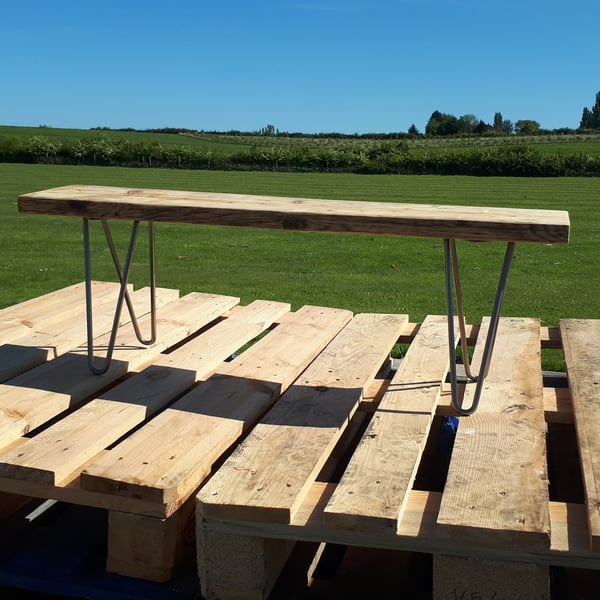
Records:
x=209, y=208
x=33, y=398
x=268, y=475
x=581, y=340
x=168, y=458
x=376, y=482
x=52, y=455
x=497, y=487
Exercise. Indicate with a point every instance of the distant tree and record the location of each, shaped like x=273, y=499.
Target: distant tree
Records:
x=412, y=130
x=467, y=123
x=441, y=124
x=482, y=127
x=269, y=130
x=527, y=127
x=590, y=119
x=502, y=125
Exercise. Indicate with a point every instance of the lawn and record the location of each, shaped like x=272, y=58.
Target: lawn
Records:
x=362, y=273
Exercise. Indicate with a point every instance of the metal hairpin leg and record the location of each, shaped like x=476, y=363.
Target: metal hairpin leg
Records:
x=452, y=278
x=123, y=275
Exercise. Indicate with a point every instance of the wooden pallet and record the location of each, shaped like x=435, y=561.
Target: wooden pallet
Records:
x=139, y=440
x=495, y=508
x=61, y=427
x=336, y=447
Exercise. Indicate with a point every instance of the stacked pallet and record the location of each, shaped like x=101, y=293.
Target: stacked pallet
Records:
x=306, y=435
x=492, y=528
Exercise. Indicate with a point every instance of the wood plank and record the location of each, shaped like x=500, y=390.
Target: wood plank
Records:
x=31, y=399
x=48, y=310
x=581, y=342
x=418, y=531
x=497, y=485
x=54, y=454
x=209, y=208
x=557, y=405
x=37, y=303
x=54, y=340
x=168, y=458
x=269, y=474
x=381, y=472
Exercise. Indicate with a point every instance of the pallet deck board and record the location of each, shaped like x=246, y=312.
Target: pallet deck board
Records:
x=497, y=485
x=182, y=410
x=55, y=453
x=581, y=339
x=55, y=339
x=381, y=472
x=46, y=311
x=170, y=456
x=270, y=472
x=31, y=399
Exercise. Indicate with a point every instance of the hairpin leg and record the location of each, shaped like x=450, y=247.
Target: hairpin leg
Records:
x=123, y=275
x=453, y=287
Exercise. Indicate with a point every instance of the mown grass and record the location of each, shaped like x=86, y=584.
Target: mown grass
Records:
x=362, y=273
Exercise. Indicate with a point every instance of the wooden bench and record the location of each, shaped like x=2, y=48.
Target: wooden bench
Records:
x=241, y=210
x=449, y=223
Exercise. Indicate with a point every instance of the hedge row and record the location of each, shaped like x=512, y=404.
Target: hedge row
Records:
x=392, y=157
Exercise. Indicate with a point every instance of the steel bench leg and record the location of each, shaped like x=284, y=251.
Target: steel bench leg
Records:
x=123, y=275
x=453, y=288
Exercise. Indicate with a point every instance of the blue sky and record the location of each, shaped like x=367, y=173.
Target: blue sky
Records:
x=352, y=66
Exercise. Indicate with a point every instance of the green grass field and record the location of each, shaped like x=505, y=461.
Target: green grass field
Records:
x=362, y=273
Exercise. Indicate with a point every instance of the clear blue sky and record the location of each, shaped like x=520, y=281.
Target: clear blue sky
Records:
x=350, y=66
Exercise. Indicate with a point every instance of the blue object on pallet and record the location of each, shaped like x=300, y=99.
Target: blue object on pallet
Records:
x=63, y=552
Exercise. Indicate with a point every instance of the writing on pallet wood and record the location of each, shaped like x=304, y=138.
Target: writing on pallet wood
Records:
x=209, y=208
x=458, y=578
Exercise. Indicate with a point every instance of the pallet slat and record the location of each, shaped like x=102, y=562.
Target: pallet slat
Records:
x=497, y=485
x=57, y=452
x=581, y=341
x=33, y=398
x=268, y=475
x=380, y=474
x=70, y=332
x=168, y=458
x=46, y=311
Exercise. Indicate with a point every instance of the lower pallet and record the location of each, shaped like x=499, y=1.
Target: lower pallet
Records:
x=61, y=550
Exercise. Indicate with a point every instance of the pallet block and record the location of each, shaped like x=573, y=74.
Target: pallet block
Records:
x=477, y=579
